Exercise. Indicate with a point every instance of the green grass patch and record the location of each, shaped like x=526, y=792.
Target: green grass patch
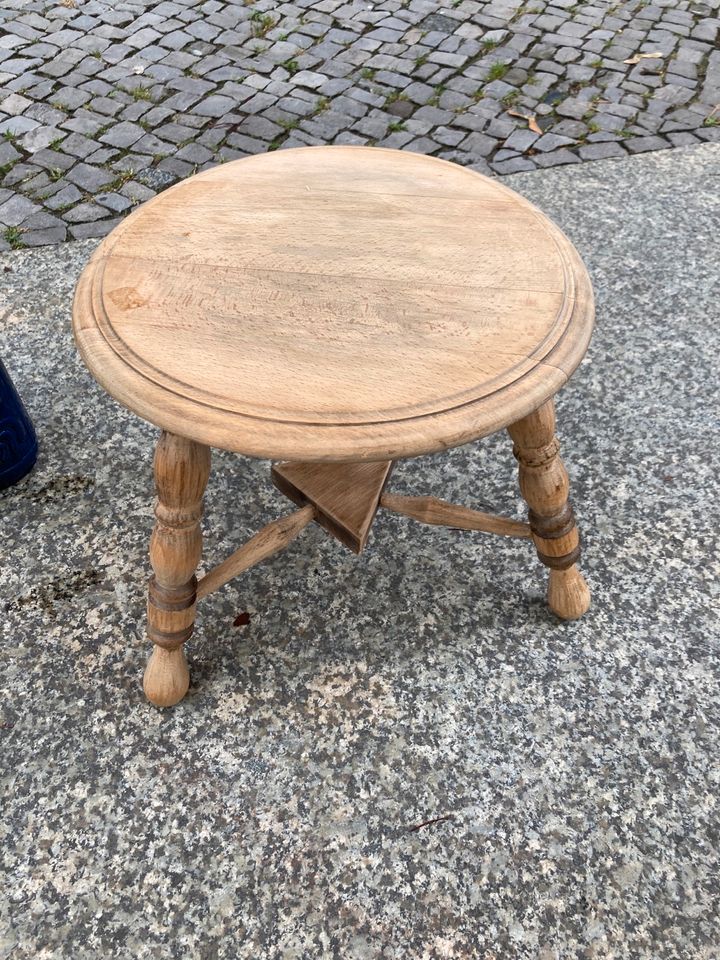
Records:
x=13, y=236
x=262, y=23
x=120, y=180
x=497, y=71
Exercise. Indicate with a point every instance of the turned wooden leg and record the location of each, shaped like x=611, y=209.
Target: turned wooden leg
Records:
x=182, y=468
x=544, y=485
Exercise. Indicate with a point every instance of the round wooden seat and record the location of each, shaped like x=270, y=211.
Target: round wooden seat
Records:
x=334, y=303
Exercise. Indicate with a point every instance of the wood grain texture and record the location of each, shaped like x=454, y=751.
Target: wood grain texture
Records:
x=345, y=495
x=266, y=542
x=443, y=514
x=336, y=304
x=182, y=468
x=545, y=487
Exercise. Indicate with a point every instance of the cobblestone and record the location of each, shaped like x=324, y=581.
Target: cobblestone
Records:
x=101, y=107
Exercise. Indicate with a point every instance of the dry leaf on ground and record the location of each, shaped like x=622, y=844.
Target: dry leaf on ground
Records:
x=644, y=56
x=530, y=118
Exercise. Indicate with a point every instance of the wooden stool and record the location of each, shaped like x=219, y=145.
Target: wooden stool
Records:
x=338, y=308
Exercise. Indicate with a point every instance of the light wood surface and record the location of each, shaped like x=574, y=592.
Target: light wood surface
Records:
x=266, y=542
x=182, y=468
x=544, y=485
x=345, y=495
x=440, y=513
x=334, y=303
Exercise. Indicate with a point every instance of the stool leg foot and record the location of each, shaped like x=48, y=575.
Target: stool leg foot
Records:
x=167, y=677
x=568, y=595
x=545, y=487
x=182, y=468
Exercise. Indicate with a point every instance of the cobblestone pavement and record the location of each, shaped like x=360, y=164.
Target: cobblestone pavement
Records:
x=103, y=104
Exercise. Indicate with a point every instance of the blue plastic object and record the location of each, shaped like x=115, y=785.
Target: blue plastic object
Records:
x=18, y=443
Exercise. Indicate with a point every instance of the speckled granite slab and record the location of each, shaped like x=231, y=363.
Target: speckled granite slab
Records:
x=271, y=814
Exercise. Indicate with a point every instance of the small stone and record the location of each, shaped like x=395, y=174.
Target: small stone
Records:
x=102, y=157
x=433, y=115
x=175, y=132
x=178, y=169
x=643, y=144
x=64, y=197
x=494, y=37
x=84, y=213
x=504, y=155
x=39, y=138
x=575, y=109
x=15, y=104
x=15, y=210
x=105, y=106
x=90, y=179
x=41, y=220
x=520, y=140
x=97, y=228
x=8, y=153
x=601, y=151
x=400, y=108
x=306, y=78
x=566, y=55
x=682, y=139
x=552, y=141
x=16, y=126
x=152, y=145
x=85, y=123
x=673, y=93
x=479, y=144
x=516, y=165
x=123, y=135
x=52, y=160
x=43, y=238
x=155, y=179
x=556, y=158
x=706, y=30
x=45, y=114
x=194, y=153
x=215, y=106
x=70, y=98
x=78, y=146
x=143, y=38
x=448, y=136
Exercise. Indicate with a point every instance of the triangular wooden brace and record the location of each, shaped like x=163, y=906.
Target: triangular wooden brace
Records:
x=346, y=495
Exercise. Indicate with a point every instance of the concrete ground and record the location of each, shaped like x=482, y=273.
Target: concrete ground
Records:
x=572, y=766
x=105, y=103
